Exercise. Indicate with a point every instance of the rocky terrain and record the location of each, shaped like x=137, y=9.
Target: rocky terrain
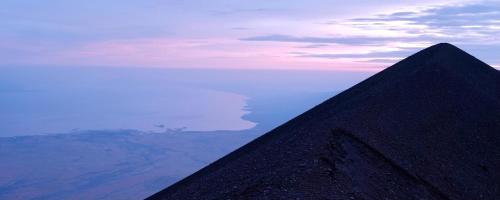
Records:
x=427, y=127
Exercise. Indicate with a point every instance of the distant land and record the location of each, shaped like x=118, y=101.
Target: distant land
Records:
x=98, y=164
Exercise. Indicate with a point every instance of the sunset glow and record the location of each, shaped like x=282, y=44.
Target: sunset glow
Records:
x=243, y=34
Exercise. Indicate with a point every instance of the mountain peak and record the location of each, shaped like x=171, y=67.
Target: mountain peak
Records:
x=445, y=45
x=425, y=128
x=443, y=57
x=446, y=51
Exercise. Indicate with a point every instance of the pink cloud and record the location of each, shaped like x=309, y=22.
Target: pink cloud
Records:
x=199, y=53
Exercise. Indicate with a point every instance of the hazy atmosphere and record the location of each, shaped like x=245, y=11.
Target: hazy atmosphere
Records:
x=318, y=34
x=120, y=99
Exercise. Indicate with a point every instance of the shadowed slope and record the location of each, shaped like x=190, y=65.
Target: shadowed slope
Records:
x=427, y=127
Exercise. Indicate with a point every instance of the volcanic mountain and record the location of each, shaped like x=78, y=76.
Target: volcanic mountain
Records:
x=427, y=127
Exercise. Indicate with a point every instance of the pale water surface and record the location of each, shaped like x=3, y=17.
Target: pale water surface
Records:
x=132, y=164
x=54, y=100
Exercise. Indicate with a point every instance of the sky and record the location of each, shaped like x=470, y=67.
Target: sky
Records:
x=357, y=35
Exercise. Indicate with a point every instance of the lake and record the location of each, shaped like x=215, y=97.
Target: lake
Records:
x=140, y=129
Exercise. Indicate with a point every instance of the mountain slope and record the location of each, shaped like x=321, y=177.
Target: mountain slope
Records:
x=427, y=127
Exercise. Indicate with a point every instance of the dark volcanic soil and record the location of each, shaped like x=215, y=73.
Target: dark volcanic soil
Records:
x=426, y=128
